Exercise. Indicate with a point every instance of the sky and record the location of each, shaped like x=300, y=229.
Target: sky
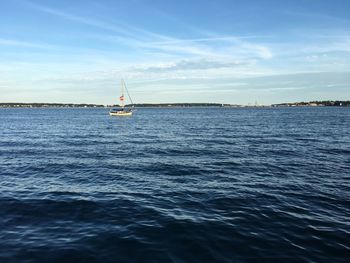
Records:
x=222, y=51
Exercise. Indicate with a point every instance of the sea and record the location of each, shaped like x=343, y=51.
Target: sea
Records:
x=175, y=185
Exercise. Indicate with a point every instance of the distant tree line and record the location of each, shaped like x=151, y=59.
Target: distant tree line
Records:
x=49, y=105
x=337, y=103
x=176, y=105
x=345, y=103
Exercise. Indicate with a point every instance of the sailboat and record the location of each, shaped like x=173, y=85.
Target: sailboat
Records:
x=122, y=111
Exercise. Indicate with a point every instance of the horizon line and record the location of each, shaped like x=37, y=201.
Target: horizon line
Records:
x=170, y=103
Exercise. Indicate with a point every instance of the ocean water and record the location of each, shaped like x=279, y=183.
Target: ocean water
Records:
x=175, y=185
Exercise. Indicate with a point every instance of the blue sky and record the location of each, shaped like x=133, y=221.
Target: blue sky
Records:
x=224, y=51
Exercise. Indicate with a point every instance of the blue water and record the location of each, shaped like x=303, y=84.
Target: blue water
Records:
x=175, y=185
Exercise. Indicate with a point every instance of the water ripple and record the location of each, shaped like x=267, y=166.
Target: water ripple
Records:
x=175, y=185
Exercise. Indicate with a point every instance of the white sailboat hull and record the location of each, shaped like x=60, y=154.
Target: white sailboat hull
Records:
x=121, y=113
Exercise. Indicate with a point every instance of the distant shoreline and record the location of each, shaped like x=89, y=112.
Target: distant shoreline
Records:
x=49, y=105
x=140, y=105
x=328, y=103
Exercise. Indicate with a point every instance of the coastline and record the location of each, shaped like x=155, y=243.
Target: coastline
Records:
x=328, y=103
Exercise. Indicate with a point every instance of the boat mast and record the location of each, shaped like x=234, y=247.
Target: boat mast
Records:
x=121, y=98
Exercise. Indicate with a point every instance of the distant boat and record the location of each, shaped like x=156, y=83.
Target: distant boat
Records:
x=122, y=111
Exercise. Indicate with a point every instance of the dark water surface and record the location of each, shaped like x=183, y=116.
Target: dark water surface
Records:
x=175, y=185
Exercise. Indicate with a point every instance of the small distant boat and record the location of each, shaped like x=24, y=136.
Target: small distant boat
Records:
x=122, y=111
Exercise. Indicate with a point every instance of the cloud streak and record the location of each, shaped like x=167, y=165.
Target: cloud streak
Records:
x=138, y=38
x=200, y=64
x=26, y=44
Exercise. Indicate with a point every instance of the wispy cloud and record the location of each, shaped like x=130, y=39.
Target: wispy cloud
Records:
x=198, y=64
x=325, y=18
x=138, y=38
x=78, y=19
x=27, y=44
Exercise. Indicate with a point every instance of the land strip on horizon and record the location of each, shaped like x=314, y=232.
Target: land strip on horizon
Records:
x=89, y=105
